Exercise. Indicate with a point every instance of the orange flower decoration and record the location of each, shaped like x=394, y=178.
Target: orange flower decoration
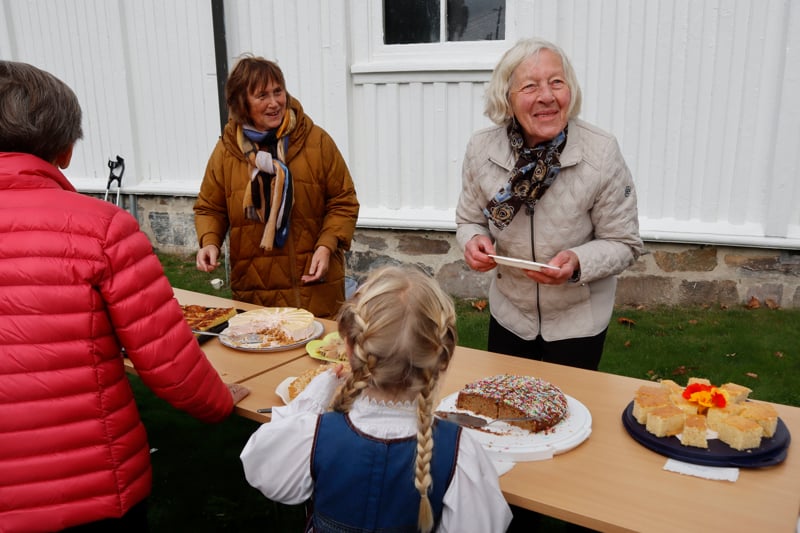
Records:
x=706, y=395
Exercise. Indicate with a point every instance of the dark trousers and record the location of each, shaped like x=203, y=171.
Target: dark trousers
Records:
x=134, y=521
x=584, y=352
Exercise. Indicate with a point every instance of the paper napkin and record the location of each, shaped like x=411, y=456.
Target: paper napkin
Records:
x=707, y=472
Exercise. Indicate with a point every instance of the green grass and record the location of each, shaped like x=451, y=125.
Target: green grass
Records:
x=758, y=348
x=198, y=480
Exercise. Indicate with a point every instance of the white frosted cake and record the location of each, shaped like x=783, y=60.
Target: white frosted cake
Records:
x=283, y=325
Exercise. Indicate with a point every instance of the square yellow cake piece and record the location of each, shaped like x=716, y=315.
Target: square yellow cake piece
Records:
x=647, y=399
x=764, y=414
x=665, y=421
x=740, y=433
x=694, y=431
x=716, y=415
x=736, y=393
x=685, y=405
x=671, y=386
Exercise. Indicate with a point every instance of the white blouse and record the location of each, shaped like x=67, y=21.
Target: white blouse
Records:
x=277, y=458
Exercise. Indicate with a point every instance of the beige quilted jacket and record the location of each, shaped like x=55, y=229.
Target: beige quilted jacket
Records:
x=590, y=209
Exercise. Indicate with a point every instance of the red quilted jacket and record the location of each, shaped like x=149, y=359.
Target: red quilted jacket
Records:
x=78, y=280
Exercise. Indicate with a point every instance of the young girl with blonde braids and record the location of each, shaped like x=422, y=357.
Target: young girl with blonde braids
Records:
x=379, y=461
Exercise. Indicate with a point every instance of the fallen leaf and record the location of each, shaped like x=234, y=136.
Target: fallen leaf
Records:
x=753, y=303
x=480, y=305
x=730, y=354
x=680, y=371
x=627, y=344
x=626, y=321
x=693, y=322
x=751, y=375
x=779, y=355
x=772, y=304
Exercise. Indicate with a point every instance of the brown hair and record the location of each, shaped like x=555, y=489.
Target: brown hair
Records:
x=248, y=75
x=39, y=114
x=401, y=328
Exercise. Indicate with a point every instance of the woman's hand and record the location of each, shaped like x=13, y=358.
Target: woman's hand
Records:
x=208, y=258
x=319, y=265
x=238, y=392
x=566, y=261
x=475, y=253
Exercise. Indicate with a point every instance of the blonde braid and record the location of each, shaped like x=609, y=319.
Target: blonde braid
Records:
x=400, y=330
x=362, y=366
x=422, y=478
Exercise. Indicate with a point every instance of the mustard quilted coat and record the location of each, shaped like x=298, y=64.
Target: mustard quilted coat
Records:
x=324, y=213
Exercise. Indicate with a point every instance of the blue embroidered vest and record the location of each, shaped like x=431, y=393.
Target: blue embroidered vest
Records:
x=366, y=484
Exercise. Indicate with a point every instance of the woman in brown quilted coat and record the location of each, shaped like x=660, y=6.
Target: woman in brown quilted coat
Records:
x=279, y=184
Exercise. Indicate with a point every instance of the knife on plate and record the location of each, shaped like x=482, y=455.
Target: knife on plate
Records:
x=470, y=421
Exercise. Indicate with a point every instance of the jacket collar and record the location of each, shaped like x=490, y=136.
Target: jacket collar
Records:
x=25, y=171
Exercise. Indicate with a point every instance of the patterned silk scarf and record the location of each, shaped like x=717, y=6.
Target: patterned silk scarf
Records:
x=535, y=170
x=268, y=196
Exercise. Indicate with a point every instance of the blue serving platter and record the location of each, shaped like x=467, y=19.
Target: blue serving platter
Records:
x=772, y=451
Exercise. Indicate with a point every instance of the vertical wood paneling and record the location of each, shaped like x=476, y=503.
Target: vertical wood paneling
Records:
x=307, y=39
x=699, y=93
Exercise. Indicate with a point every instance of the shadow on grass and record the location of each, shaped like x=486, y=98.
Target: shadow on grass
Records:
x=198, y=482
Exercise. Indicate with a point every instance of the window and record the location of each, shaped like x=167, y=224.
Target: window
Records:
x=435, y=21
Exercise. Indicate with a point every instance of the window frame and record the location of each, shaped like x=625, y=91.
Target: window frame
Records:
x=375, y=60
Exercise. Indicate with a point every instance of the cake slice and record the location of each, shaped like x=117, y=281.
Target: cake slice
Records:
x=677, y=399
x=716, y=415
x=740, y=433
x=665, y=421
x=764, y=414
x=694, y=431
x=671, y=386
x=648, y=398
x=736, y=393
x=702, y=381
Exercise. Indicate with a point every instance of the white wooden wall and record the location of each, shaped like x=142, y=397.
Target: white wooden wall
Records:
x=700, y=93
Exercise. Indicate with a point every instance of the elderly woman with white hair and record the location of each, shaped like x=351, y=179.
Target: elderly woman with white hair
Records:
x=544, y=186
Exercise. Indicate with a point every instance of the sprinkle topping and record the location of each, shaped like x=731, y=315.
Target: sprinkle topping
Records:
x=533, y=396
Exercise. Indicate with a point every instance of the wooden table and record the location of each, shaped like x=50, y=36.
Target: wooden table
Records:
x=612, y=483
x=608, y=483
x=262, y=387
x=236, y=366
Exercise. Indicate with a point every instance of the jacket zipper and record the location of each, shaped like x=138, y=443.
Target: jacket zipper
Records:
x=529, y=212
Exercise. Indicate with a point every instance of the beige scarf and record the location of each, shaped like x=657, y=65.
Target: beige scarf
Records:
x=269, y=184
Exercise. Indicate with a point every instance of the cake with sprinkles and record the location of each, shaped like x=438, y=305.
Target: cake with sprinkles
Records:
x=508, y=396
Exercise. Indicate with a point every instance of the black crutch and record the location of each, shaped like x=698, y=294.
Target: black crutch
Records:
x=117, y=169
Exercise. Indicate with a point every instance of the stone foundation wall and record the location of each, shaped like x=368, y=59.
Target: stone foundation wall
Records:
x=667, y=274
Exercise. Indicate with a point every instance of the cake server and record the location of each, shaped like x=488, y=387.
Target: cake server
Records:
x=470, y=421
x=243, y=338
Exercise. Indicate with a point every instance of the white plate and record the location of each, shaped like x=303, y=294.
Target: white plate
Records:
x=521, y=263
x=319, y=329
x=283, y=389
x=504, y=442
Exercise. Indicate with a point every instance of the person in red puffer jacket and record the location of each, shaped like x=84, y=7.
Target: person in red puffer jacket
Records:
x=78, y=282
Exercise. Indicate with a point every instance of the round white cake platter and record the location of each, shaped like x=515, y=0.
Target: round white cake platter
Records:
x=504, y=442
